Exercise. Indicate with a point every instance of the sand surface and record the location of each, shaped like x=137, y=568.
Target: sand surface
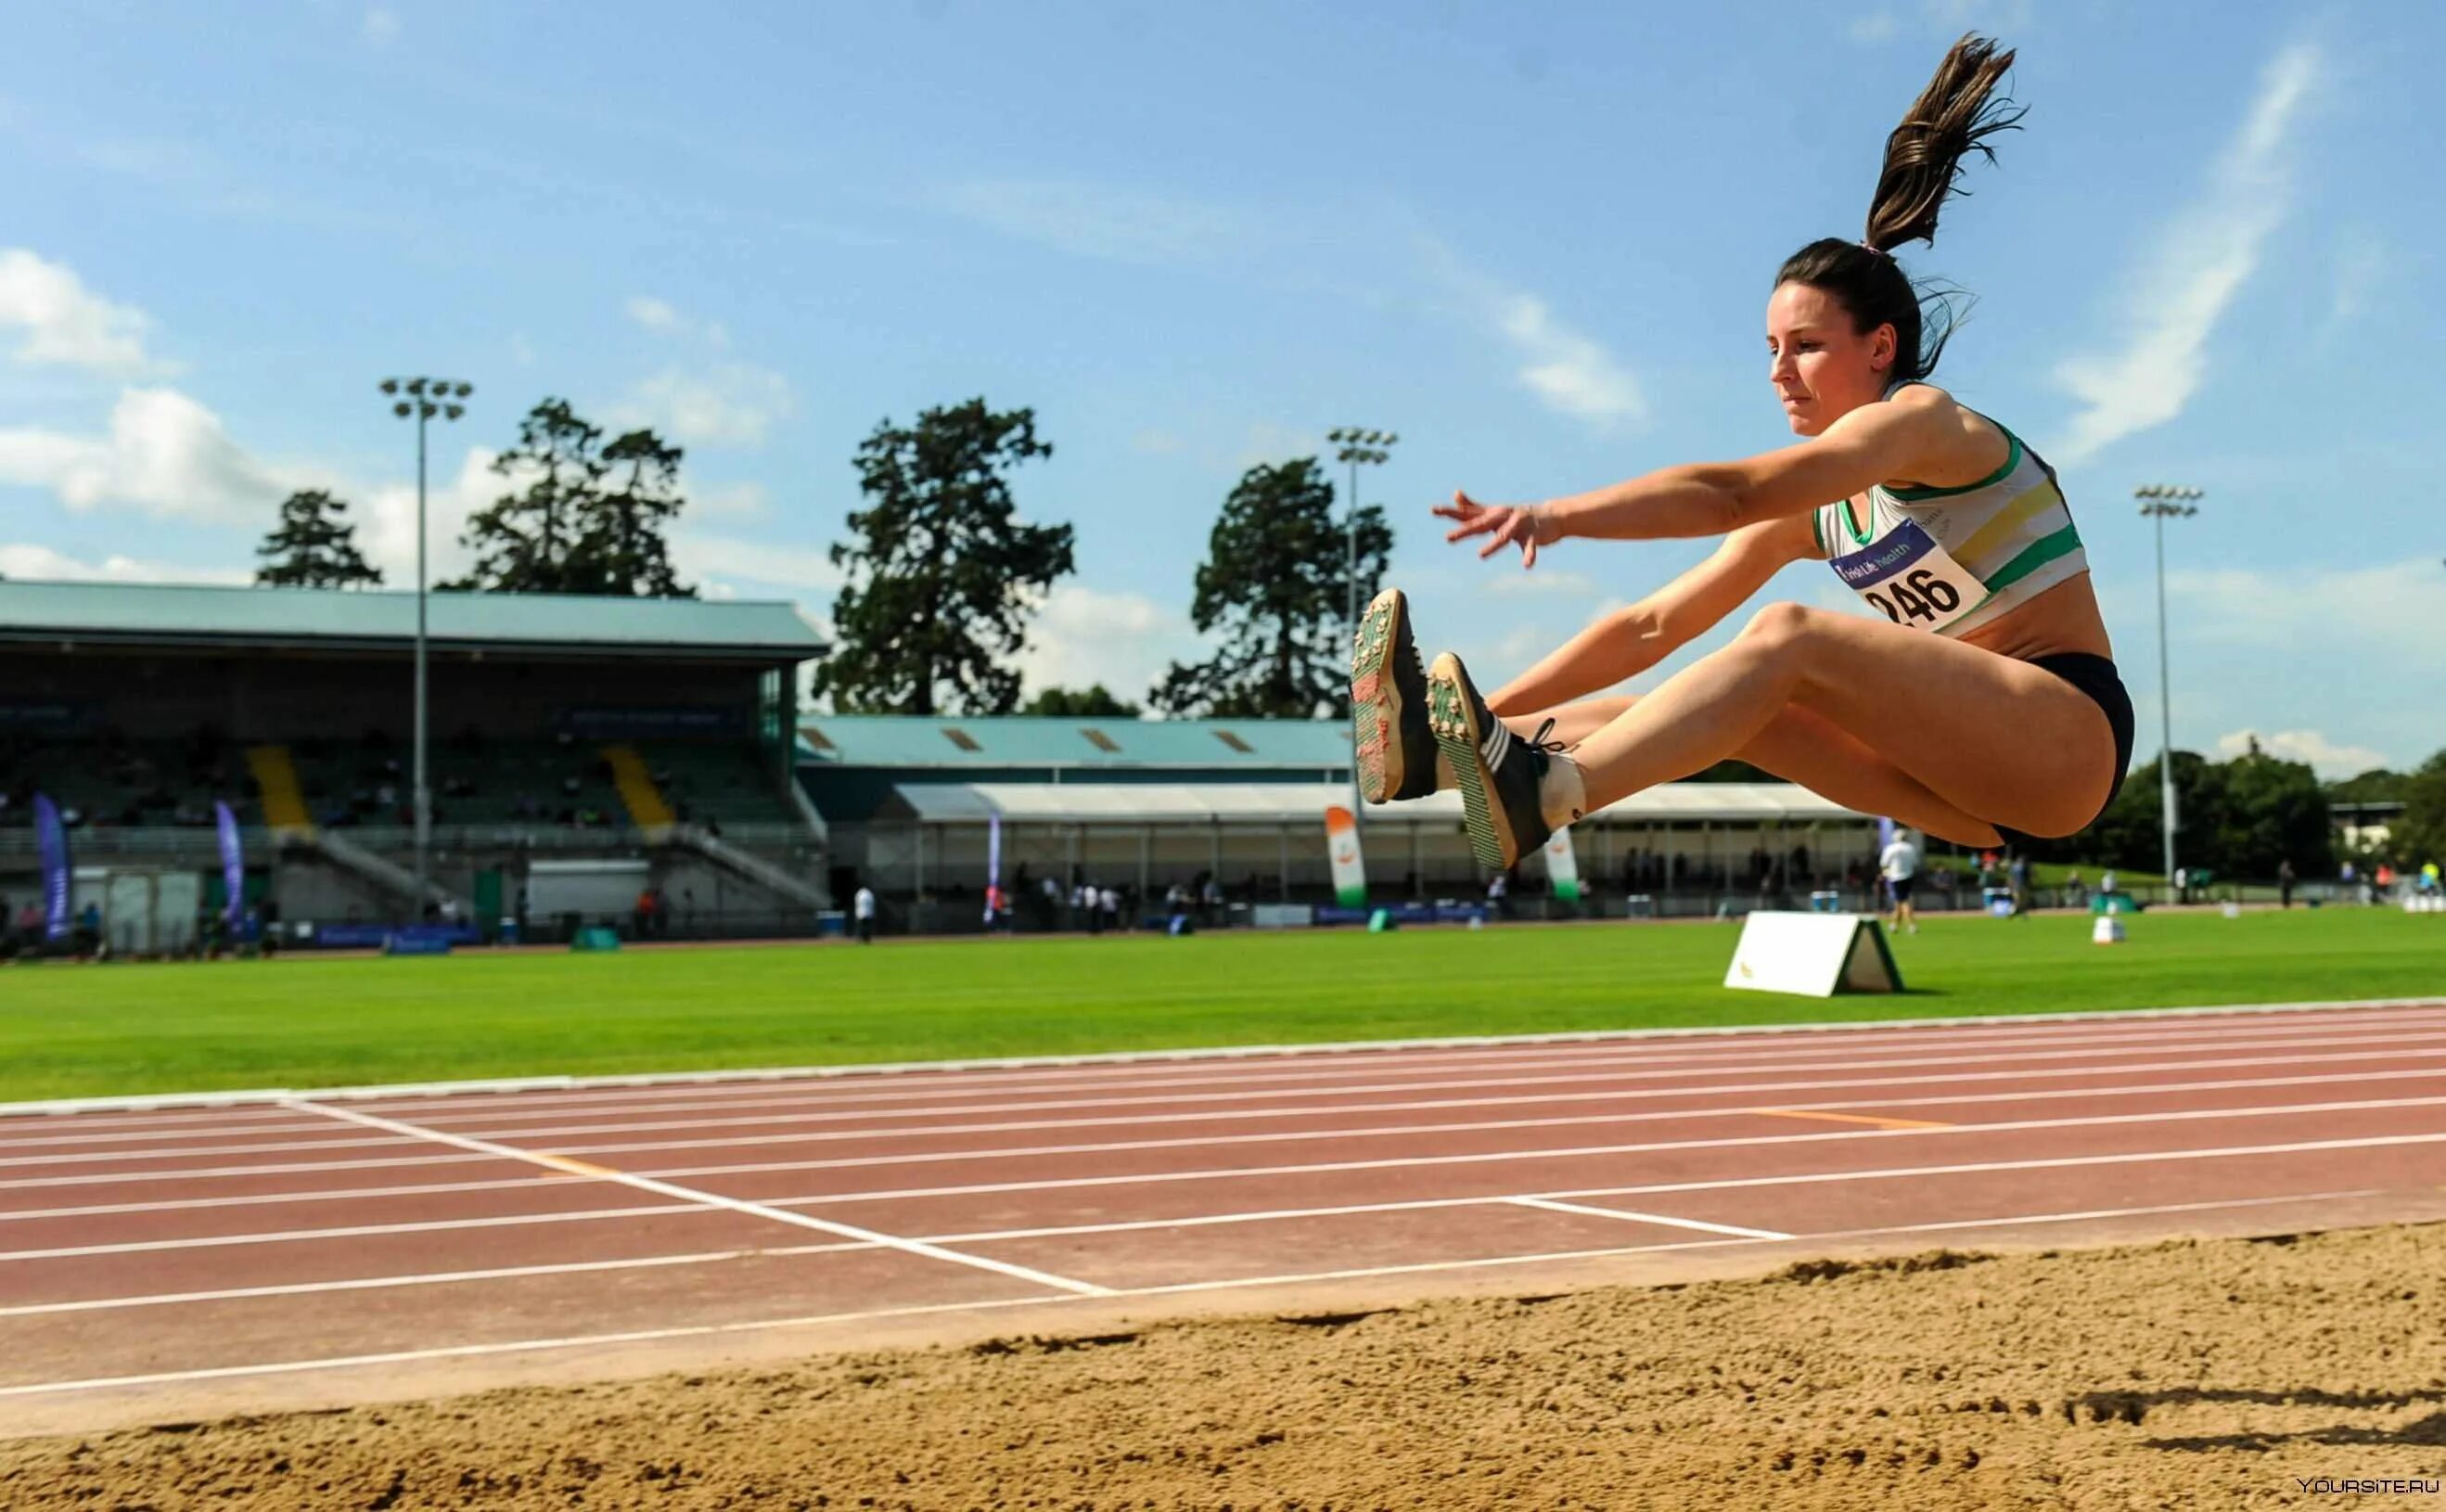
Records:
x=2210, y=1373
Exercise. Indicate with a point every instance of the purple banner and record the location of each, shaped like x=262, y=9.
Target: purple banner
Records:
x=232, y=862
x=51, y=839
x=993, y=864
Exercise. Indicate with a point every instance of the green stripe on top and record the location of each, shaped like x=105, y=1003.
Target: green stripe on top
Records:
x=2063, y=543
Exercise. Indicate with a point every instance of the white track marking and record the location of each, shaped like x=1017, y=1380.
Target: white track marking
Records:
x=560, y=1133
x=1581, y=1152
x=1625, y=1215
x=375, y=1283
x=357, y=1231
x=647, y=1183
x=842, y=1099
x=1751, y=1092
x=225, y=1372
x=149, y=1102
x=1735, y=1183
x=380, y=1193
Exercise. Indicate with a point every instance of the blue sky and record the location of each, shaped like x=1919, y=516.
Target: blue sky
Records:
x=1195, y=238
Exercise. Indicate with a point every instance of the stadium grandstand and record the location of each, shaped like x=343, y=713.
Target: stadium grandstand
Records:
x=586, y=753
x=911, y=806
x=582, y=752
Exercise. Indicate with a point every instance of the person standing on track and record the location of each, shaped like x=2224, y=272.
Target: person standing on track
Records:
x=1980, y=699
x=1899, y=865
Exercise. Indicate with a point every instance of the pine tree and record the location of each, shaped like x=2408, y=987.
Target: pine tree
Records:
x=314, y=546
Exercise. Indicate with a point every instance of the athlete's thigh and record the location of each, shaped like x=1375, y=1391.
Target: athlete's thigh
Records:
x=2002, y=739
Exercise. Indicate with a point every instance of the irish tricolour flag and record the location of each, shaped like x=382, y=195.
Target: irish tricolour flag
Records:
x=1341, y=846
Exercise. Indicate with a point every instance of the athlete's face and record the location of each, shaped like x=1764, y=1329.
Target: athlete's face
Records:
x=1822, y=368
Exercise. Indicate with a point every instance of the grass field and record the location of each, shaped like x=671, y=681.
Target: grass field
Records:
x=69, y=1032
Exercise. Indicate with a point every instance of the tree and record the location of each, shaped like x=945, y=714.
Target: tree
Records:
x=1070, y=703
x=314, y=546
x=2419, y=835
x=943, y=574
x=622, y=549
x=2273, y=811
x=2377, y=786
x=1273, y=583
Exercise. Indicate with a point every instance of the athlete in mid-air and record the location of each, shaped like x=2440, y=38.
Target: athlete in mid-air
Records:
x=1979, y=699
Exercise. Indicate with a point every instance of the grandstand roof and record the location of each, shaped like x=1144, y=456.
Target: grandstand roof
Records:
x=1134, y=805
x=155, y=615
x=1006, y=740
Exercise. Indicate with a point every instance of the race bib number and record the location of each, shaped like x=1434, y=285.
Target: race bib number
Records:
x=1908, y=577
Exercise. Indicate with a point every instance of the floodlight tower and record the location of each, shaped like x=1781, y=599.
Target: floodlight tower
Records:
x=2160, y=503
x=1357, y=447
x=427, y=398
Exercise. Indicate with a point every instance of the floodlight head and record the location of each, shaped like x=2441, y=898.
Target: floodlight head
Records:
x=1334, y=435
x=424, y=408
x=390, y=385
x=454, y=411
x=1390, y=439
x=465, y=389
x=399, y=409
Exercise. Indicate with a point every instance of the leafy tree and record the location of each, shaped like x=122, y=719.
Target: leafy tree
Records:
x=2377, y=786
x=623, y=550
x=1273, y=583
x=314, y=546
x=2273, y=811
x=2127, y=835
x=565, y=532
x=943, y=574
x=1071, y=703
x=2419, y=835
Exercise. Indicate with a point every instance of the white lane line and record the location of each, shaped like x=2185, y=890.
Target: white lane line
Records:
x=1580, y=1152
x=763, y=1325
x=647, y=1183
x=1634, y=1060
x=560, y=1134
x=375, y=1283
x=1624, y=1215
x=356, y=1231
x=215, y=1173
x=1651, y=1047
x=383, y=1193
x=1736, y=1183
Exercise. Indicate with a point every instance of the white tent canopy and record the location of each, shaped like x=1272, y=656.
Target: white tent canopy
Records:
x=1142, y=803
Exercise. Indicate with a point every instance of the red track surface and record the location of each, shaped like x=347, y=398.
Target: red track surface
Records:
x=283, y=1253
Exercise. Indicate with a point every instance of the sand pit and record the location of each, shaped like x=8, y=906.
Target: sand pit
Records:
x=2214, y=1373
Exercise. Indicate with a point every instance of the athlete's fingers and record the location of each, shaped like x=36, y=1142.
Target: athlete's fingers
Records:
x=1478, y=525
x=1528, y=552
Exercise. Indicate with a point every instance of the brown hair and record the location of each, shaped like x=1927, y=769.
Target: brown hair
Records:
x=1951, y=119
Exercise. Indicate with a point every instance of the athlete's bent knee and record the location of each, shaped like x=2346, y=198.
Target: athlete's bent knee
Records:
x=1780, y=627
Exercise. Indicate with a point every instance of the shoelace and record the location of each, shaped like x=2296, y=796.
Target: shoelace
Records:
x=1539, y=742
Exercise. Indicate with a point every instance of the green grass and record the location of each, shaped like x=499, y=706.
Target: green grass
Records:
x=88, y=1030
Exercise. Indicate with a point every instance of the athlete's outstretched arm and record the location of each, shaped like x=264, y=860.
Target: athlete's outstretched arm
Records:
x=1628, y=641
x=1909, y=437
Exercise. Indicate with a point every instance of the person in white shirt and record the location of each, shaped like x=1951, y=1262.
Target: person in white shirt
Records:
x=1899, y=864
x=862, y=906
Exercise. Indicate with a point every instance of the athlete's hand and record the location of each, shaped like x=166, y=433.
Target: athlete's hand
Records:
x=1523, y=526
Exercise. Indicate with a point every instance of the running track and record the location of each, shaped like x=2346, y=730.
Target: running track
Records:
x=339, y=1247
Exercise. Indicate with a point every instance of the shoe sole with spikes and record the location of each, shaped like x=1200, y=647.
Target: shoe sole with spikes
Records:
x=1460, y=723
x=1388, y=705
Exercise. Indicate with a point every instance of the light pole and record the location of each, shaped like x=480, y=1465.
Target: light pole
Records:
x=427, y=398
x=1358, y=447
x=2160, y=502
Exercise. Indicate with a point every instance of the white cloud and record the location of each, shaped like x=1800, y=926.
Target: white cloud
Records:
x=386, y=518
x=2208, y=253
x=1083, y=637
x=1155, y=442
x=165, y=454
x=27, y=562
x=2323, y=755
x=66, y=324
x=733, y=559
x=732, y=404
x=1539, y=583
x=654, y=314
x=664, y=318
x=1097, y=220
x=2363, y=263
x=727, y=500
x=1568, y=370
x=1877, y=25
x=381, y=27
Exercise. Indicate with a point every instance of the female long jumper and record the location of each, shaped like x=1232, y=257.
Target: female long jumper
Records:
x=1979, y=699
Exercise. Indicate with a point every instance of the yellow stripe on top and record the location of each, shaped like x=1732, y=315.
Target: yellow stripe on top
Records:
x=2033, y=501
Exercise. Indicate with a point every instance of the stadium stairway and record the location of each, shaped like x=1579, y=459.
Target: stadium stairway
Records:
x=275, y=778
x=754, y=868
x=648, y=809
